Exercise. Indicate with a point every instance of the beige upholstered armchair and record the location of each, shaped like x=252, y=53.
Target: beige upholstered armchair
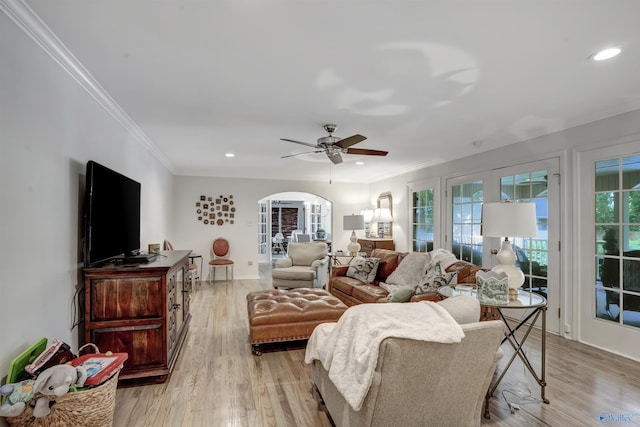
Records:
x=306, y=266
x=422, y=383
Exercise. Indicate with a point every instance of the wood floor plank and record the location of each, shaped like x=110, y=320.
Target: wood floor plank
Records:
x=217, y=381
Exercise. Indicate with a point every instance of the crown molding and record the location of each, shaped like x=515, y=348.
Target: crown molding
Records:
x=29, y=22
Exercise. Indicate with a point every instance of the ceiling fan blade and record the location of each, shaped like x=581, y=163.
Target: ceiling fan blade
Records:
x=336, y=158
x=366, y=152
x=299, y=142
x=350, y=140
x=298, y=154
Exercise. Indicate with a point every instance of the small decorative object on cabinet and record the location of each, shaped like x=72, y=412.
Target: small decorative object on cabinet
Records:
x=368, y=245
x=141, y=310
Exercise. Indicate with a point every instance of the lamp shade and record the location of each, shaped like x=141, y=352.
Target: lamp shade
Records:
x=382, y=215
x=509, y=219
x=353, y=222
x=367, y=214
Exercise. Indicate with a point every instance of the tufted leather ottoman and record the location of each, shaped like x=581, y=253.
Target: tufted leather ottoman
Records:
x=289, y=315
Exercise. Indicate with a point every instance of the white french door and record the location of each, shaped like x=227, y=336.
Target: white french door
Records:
x=425, y=215
x=539, y=258
x=608, y=248
x=264, y=236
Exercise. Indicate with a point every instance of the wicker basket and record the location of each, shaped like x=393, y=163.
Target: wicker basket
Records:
x=93, y=407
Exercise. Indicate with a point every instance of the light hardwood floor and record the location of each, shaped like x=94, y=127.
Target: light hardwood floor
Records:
x=218, y=382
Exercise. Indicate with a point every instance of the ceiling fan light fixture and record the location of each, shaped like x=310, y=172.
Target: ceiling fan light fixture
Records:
x=334, y=147
x=330, y=128
x=605, y=54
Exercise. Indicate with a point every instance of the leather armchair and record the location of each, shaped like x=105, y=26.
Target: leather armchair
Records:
x=306, y=266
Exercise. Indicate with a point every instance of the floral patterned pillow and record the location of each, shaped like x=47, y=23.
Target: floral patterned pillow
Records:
x=434, y=278
x=364, y=269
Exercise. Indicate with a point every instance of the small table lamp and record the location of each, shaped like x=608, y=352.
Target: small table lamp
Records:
x=381, y=215
x=368, y=216
x=353, y=223
x=504, y=219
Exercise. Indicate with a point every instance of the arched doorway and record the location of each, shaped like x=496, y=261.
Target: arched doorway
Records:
x=288, y=215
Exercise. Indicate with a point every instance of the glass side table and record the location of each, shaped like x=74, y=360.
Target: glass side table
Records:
x=526, y=300
x=336, y=258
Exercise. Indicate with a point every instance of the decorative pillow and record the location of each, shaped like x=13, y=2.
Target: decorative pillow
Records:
x=403, y=294
x=410, y=270
x=363, y=268
x=434, y=278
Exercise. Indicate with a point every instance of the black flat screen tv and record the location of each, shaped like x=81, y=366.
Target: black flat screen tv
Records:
x=111, y=215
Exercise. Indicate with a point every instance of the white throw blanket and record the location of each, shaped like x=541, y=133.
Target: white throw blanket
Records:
x=348, y=349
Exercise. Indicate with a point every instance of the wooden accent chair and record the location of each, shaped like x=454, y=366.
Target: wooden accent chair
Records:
x=220, y=258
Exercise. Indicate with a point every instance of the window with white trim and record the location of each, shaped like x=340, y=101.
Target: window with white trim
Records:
x=424, y=215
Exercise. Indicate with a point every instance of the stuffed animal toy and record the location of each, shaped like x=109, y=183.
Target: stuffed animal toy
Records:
x=54, y=381
x=18, y=394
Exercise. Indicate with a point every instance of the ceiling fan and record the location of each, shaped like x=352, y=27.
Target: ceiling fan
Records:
x=334, y=147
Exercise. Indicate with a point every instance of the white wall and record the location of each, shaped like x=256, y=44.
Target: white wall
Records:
x=189, y=233
x=50, y=127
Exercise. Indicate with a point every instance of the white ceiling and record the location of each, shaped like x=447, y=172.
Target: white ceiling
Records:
x=421, y=79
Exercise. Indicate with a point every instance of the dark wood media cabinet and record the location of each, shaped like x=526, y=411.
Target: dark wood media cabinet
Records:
x=140, y=309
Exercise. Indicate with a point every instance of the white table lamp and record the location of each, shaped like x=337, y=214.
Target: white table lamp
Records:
x=368, y=216
x=504, y=219
x=353, y=223
x=381, y=215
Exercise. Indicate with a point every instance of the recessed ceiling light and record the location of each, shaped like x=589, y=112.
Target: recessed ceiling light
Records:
x=606, y=54
x=230, y=155
x=359, y=163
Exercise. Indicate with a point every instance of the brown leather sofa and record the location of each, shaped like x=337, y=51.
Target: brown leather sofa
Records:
x=353, y=291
